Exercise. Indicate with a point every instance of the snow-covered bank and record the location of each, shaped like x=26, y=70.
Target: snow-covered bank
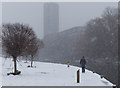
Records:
x=49, y=74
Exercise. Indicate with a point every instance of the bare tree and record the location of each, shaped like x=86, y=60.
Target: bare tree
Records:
x=100, y=37
x=16, y=39
x=33, y=49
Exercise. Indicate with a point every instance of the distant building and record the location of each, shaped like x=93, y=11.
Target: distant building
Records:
x=51, y=18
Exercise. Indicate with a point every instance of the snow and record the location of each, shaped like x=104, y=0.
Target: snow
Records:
x=49, y=74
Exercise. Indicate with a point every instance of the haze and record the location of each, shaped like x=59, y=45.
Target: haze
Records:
x=71, y=14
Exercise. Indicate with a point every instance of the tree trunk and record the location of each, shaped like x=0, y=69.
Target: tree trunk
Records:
x=26, y=60
x=15, y=64
x=31, y=60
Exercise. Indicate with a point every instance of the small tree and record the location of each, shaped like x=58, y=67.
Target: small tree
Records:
x=33, y=49
x=16, y=39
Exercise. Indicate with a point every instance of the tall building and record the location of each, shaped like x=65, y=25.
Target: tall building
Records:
x=51, y=18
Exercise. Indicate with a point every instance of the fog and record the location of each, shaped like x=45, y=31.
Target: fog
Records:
x=98, y=46
x=71, y=14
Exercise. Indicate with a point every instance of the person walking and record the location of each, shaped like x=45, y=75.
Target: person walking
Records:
x=83, y=64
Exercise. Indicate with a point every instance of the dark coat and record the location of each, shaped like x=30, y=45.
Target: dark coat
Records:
x=83, y=62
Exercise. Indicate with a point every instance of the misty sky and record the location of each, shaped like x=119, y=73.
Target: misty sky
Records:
x=71, y=14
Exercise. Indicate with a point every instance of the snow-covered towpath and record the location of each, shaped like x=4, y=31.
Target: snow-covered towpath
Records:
x=49, y=74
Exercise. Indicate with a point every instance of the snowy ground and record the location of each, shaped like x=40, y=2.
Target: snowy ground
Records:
x=49, y=74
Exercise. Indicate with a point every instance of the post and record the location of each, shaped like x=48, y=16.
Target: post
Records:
x=78, y=76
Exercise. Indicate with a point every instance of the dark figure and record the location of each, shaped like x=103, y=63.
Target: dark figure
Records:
x=68, y=64
x=83, y=63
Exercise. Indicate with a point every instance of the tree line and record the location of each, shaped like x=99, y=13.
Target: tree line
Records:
x=100, y=37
